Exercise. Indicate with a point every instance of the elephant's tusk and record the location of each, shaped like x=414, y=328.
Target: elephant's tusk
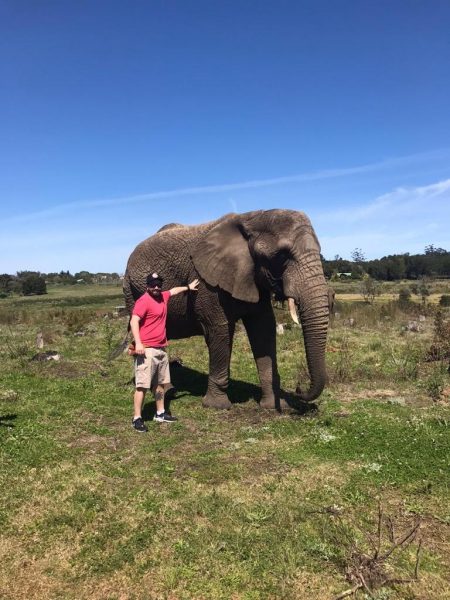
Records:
x=293, y=310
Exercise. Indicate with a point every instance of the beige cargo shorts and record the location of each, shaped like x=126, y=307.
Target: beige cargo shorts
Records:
x=151, y=369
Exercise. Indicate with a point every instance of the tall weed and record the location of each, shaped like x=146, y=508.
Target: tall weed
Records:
x=436, y=381
x=401, y=362
x=341, y=367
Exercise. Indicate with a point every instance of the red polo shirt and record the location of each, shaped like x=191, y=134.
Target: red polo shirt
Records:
x=153, y=315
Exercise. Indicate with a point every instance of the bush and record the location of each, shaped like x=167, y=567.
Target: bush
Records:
x=34, y=284
x=369, y=288
x=404, y=296
x=444, y=300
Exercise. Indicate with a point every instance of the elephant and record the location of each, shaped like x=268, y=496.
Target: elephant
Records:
x=241, y=260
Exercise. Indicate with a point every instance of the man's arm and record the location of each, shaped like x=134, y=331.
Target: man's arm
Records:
x=134, y=325
x=191, y=287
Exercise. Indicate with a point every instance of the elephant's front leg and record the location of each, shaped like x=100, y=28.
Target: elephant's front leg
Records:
x=219, y=339
x=261, y=331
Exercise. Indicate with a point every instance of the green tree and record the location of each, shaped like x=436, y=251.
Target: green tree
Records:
x=5, y=283
x=369, y=288
x=33, y=284
x=358, y=256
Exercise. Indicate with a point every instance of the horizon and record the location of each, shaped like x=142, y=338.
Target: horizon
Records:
x=118, y=121
x=334, y=259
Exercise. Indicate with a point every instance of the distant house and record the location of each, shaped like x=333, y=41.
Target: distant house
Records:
x=343, y=275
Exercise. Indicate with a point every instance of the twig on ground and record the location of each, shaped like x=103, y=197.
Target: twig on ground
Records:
x=349, y=592
x=368, y=572
x=404, y=541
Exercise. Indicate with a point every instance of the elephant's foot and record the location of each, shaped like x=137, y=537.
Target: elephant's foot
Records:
x=274, y=403
x=220, y=401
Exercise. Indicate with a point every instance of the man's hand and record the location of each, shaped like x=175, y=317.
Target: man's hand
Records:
x=191, y=287
x=140, y=348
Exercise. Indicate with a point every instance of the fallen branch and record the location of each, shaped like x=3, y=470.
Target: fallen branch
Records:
x=349, y=592
x=368, y=571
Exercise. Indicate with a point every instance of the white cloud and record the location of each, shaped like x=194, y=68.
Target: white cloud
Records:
x=233, y=205
x=320, y=175
x=399, y=202
x=404, y=220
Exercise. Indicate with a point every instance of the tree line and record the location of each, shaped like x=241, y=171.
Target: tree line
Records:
x=29, y=283
x=434, y=262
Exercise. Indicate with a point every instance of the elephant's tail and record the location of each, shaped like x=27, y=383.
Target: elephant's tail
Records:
x=120, y=348
x=129, y=302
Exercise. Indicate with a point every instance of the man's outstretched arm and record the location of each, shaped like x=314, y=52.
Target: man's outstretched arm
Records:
x=191, y=287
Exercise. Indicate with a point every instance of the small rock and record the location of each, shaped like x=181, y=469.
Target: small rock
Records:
x=413, y=326
x=398, y=400
x=39, y=340
x=422, y=318
x=251, y=440
x=49, y=355
x=280, y=329
x=9, y=395
x=342, y=414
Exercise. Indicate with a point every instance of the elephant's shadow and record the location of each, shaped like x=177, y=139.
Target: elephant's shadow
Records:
x=189, y=382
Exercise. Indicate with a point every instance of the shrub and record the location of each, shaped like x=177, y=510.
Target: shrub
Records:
x=404, y=296
x=34, y=284
x=444, y=300
x=434, y=384
x=369, y=288
x=76, y=320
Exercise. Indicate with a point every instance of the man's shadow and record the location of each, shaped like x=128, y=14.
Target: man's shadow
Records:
x=189, y=382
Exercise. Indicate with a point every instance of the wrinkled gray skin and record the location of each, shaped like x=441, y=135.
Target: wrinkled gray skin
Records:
x=240, y=259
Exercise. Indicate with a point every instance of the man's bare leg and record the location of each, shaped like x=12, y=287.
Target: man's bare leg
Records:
x=159, y=398
x=139, y=397
x=161, y=414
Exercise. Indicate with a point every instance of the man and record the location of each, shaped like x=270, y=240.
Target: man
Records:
x=148, y=326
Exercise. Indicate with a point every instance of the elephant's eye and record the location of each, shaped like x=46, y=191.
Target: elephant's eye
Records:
x=283, y=255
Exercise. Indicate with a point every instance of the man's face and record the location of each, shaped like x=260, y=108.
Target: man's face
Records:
x=154, y=290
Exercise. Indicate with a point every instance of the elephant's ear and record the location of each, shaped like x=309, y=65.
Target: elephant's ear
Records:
x=223, y=258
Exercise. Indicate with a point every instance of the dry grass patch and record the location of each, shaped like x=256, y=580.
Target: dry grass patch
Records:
x=317, y=586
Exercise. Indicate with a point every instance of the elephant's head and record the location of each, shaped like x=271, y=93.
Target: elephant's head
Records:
x=272, y=250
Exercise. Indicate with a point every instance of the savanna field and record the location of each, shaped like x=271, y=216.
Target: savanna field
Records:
x=348, y=497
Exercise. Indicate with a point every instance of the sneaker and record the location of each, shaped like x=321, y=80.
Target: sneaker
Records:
x=139, y=425
x=165, y=418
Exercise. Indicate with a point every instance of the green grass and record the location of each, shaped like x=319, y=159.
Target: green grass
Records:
x=218, y=505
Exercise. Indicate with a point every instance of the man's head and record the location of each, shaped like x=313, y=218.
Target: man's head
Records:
x=154, y=284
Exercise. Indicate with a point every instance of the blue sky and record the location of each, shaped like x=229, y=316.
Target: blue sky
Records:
x=117, y=118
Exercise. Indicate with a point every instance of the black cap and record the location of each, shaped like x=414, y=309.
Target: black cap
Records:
x=154, y=279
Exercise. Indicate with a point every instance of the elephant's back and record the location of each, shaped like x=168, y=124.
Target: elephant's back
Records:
x=168, y=253
x=171, y=245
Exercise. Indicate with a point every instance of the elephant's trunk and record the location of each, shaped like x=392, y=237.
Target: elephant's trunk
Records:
x=307, y=287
